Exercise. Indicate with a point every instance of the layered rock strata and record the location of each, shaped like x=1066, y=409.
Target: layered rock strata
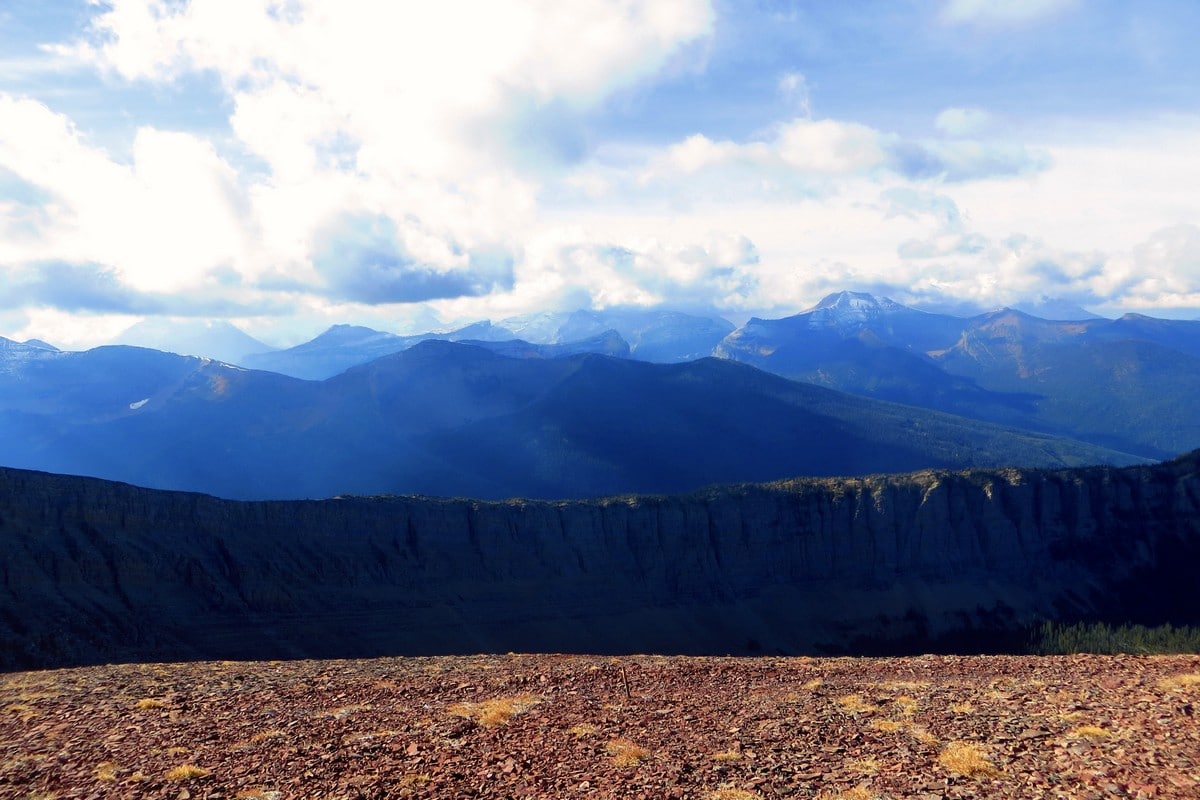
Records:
x=96, y=571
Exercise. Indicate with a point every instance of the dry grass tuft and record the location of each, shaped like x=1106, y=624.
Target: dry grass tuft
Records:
x=262, y=736
x=583, y=729
x=732, y=793
x=889, y=725
x=25, y=712
x=494, y=712
x=185, y=772
x=1092, y=732
x=922, y=735
x=969, y=760
x=965, y=707
x=106, y=771
x=906, y=704
x=625, y=753
x=813, y=685
x=857, y=793
x=148, y=704
x=864, y=766
x=728, y=755
x=856, y=704
x=1185, y=681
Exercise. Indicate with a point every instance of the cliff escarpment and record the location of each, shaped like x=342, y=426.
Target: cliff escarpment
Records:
x=97, y=571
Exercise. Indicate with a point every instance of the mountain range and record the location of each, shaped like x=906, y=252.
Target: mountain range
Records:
x=596, y=403
x=451, y=418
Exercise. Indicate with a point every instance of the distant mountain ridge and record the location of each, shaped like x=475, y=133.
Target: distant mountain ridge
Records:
x=450, y=418
x=648, y=335
x=1124, y=387
x=1128, y=383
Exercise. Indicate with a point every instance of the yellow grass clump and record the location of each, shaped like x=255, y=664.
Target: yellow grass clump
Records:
x=732, y=793
x=582, y=729
x=728, y=755
x=889, y=725
x=906, y=704
x=865, y=766
x=149, y=703
x=856, y=704
x=857, y=793
x=1092, y=732
x=969, y=760
x=625, y=753
x=1185, y=681
x=106, y=771
x=494, y=712
x=185, y=772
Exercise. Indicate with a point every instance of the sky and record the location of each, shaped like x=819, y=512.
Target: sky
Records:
x=287, y=165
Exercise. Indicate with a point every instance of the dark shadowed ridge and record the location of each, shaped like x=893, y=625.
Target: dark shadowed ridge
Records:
x=96, y=571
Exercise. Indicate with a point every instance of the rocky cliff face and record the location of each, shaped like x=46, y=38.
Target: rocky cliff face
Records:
x=100, y=571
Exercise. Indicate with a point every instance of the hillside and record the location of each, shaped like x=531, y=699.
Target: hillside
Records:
x=97, y=571
x=449, y=418
x=635, y=727
x=1124, y=384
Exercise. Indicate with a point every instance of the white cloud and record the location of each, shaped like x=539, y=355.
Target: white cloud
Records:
x=378, y=110
x=1002, y=12
x=815, y=148
x=162, y=222
x=794, y=88
x=963, y=121
x=382, y=159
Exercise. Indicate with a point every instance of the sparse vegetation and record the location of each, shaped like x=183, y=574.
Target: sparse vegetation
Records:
x=496, y=711
x=1052, y=638
x=855, y=793
x=21, y=710
x=625, y=753
x=889, y=725
x=1177, y=682
x=906, y=705
x=582, y=729
x=106, y=772
x=185, y=772
x=149, y=704
x=968, y=760
x=856, y=704
x=732, y=793
x=1092, y=732
x=732, y=754
x=865, y=766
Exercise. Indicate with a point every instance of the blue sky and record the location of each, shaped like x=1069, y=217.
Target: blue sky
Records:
x=291, y=164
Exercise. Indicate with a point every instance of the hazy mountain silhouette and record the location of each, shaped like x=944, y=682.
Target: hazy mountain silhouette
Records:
x=1126, y=383
x=451, y=418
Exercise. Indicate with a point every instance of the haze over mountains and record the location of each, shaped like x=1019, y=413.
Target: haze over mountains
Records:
x=855, y=385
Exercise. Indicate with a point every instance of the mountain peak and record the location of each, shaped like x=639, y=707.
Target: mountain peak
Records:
x=858, y=303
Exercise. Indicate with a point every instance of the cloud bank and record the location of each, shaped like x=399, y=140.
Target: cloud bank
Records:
x=399, y=162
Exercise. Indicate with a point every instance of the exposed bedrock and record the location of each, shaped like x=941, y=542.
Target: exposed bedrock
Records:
x=99, y=571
